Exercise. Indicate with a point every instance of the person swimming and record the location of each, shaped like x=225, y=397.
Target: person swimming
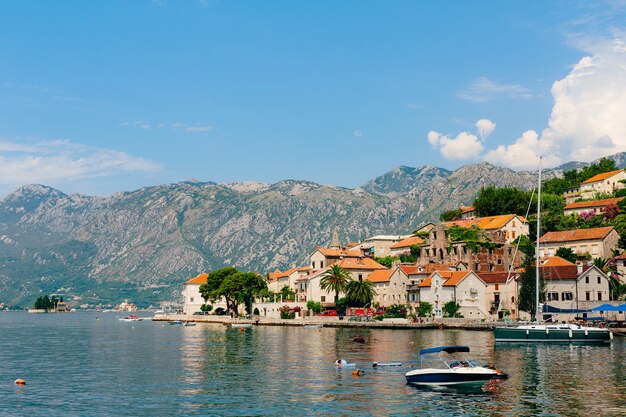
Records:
x=342, y=363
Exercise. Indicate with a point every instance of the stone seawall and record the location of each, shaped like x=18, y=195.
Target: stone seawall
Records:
x=464, y=324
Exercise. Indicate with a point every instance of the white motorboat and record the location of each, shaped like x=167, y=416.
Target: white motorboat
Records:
x=452, y=369
x=130, y=318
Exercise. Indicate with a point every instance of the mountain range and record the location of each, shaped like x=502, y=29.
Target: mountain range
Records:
x=142, y=245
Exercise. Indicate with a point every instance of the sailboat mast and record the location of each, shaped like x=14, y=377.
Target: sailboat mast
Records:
x=537, y=249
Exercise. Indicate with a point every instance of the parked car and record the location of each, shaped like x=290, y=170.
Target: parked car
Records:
x=200, y=313
x=328, y=313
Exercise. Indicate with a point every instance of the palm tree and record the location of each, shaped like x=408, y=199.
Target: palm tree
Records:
x=360, y=292
x=608, y=266
x=335, y=279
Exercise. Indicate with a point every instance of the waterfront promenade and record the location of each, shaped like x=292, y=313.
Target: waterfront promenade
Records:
x=464, y=324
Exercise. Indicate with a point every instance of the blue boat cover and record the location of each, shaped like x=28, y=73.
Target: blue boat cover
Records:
x=448, y=349
x=609, y=307
x=549, y=309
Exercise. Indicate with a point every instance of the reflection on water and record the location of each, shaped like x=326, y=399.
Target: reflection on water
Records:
x=77, y=365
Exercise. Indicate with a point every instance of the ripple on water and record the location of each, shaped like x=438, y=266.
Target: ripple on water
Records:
x=77, y=365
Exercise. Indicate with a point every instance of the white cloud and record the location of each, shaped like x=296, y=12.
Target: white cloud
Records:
x=485, y=127
x=357, y=133
x=463, y=146
x=54, y=161
x=587, y=119
x=483, y=89
x=524, y=153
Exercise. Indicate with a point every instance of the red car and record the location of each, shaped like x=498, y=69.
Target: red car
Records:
x=328, y=313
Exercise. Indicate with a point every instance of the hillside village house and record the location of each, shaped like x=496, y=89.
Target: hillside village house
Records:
x=404, y=246
x=502, y=293
x=575, y=287
x=380, y=246
x=500, y=229
x=605, y=183
x=468, y=212
x=192, y=299
x=277, y=280
x=595, y=207
x=463, y=287
x=309, y=286
x=598, y=242
x=388, y=282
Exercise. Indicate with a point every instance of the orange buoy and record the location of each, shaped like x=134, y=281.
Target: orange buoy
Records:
x=20, y=381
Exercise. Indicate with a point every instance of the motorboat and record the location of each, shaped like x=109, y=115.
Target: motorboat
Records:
x=189, y=324
x=175, y=322
x=444, y=366
x=130, y=318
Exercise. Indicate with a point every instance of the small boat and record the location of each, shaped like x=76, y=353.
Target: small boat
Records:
x=175, y=322
x=452, y=371
x=313, y=326
x=130, y=318
x=239, y=325
x=189, y=324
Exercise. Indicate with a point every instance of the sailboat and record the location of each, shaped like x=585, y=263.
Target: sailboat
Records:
x=536, y=332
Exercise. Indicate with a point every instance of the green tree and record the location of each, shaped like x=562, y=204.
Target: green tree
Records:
x=341, y=306
x=425, y=309
x=210, y=290
x=493, y=201
x=360, y=293
x=567, y=253
x=449, y=215
x=206, y=307
x=528, y=284
x=335, y=279
x=287, y=292
x=387, y=261
x=451, y=309
x=315, y=306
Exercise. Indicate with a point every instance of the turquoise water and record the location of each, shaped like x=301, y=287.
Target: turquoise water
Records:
x=78, y=365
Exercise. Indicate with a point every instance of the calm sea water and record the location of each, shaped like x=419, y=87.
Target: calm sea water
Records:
x=78, y=365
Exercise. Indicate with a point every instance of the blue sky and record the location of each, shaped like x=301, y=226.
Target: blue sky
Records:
x=105, y=96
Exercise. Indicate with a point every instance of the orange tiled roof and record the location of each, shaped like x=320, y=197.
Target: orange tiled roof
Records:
x=576, y=234
x=408, y=242
x=455, y=278
x=338, y=253
x=467, y=209
x=494, y=277
x=601, y=177
x=486, y=223
x=360, y=263
x=595, y=203
x=200, y=279
x=561, y=272
x=554, y=261
x=622, y=256
x=432, y=267
x=380, y=275
x=409, y=269
x=427, y=282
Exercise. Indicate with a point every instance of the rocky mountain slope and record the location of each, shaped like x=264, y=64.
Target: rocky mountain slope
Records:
x=142, y=244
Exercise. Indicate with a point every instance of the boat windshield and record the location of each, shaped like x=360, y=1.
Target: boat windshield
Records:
x=451, y=361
